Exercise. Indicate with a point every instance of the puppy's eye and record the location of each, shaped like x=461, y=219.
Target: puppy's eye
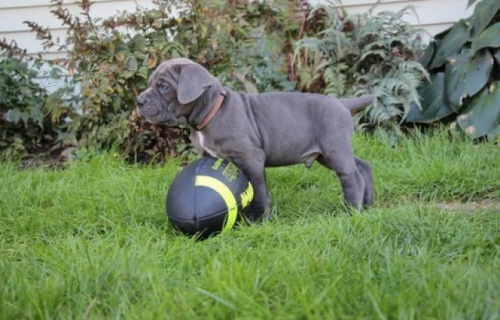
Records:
x=162, y=87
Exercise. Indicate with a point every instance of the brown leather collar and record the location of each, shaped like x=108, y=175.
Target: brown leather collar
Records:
x=211, y=114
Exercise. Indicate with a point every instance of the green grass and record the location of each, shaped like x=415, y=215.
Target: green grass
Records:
x=93, y=242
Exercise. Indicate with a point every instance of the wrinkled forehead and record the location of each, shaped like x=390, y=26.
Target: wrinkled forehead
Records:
x=164, y=66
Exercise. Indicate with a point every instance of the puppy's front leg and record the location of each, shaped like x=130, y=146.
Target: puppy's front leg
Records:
x=260, y=206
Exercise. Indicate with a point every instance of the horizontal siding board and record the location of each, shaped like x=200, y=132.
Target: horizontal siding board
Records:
x=12, y=4
x=433, y=15
x=13, y=28
x=351, y=3
x=428, y=12
x=27, y=40
x=12, y=18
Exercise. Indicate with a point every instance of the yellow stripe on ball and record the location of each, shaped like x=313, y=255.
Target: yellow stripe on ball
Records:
x=227, y=196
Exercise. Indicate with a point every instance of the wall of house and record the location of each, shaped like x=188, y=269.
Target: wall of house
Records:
x=433, y=15
x=14, y=12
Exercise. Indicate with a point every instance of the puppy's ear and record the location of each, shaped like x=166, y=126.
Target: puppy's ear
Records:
x=193, y=81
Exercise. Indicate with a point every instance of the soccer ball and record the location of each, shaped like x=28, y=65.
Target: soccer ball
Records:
x=207, y=197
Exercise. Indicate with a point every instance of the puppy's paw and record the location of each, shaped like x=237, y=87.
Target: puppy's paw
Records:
x=256, y=217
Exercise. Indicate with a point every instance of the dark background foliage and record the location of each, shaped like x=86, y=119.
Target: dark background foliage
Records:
x=248, y=46
x=464, y=63
x=256, y=47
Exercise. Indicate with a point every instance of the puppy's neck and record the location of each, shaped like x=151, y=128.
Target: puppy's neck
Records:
x=210, y=113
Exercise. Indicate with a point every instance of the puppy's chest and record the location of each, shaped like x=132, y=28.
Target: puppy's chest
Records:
x=204, y=145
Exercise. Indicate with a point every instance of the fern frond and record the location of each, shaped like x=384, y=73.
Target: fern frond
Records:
x=308, y=49
x=311, y=44
x=333, y=17
x=405, y=10
x=382, y=54
x=413, y=67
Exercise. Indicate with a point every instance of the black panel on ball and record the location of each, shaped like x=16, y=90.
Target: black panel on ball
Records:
x=198, y=206
x=180, y=204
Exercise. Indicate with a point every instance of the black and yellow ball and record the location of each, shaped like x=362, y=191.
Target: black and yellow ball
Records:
x=207, y=197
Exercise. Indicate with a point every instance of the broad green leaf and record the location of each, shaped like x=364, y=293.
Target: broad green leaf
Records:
x=452, y=43
x=496, y=55
x=489, y=38
x=426, y=58
x=482, y=116
x=465, y=76
x=484, y=12
x=432, y=102
x=438, y=38
x=470, y=3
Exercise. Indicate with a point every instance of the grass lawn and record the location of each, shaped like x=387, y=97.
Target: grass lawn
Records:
x=93, y=242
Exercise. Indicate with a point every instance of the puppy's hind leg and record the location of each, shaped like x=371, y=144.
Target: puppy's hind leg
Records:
x=366, y=171
x=351, y=179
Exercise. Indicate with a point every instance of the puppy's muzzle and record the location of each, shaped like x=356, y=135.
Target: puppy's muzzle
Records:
x=142, y=101
x=147, y=108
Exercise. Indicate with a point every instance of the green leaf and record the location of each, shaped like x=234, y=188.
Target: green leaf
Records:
x=484, y=12
x=128, y=74
x=432, y=102
x=489, y=38
x=452, y=43
x=140, y=42
x=426, y=58
x=470, y=3
x=482, y=116
x=14, y=115
x=36, y=114
x=496, y=55
x=438, y=38
x=465, y=76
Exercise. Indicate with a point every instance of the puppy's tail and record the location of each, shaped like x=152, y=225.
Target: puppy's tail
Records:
x=357, y=103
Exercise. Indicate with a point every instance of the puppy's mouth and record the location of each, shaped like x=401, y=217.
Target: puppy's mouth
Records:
x=169, y=123
x=154, y=118
x=148, y=113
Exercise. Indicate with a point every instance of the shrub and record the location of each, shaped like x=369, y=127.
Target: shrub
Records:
x=27, y=121
x=112, y=59
x=248, y=46
x=352, y=55
x=464, y=63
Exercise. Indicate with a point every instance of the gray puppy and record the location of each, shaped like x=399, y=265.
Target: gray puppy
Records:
x=259, y=130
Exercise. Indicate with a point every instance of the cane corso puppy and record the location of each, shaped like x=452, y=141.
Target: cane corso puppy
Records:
x=259, y=130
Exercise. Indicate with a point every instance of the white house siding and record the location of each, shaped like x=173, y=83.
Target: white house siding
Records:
x=12, y=28
x=14, y=12
x=433, y=15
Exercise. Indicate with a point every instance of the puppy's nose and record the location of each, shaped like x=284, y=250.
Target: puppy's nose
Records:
x=141, y=101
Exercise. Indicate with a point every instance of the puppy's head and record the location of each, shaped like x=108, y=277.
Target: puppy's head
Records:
x=178, y=91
